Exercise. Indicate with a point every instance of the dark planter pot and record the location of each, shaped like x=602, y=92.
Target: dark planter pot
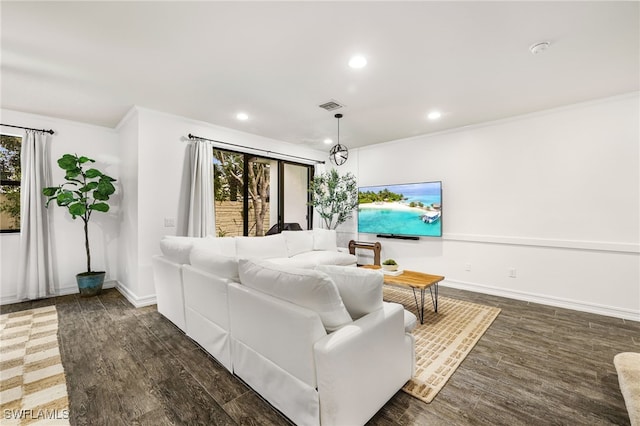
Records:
x=90, y=283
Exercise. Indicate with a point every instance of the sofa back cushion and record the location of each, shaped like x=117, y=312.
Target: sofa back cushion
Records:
x=305, y=287
x=324, y=239
x=221, y=245
x=177, y=249
x=360, y=289
x=211, y=261
x=261, y=247
x=298, y=241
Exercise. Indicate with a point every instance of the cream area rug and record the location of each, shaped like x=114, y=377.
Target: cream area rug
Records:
x=33, y=388
x=444, y=340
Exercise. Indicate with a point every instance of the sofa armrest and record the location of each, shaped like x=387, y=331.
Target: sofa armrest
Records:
x=343, y=250
x=167, y=277
x=286, y=331
x=362, y=365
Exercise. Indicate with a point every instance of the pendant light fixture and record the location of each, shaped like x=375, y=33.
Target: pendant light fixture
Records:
x=338, y=153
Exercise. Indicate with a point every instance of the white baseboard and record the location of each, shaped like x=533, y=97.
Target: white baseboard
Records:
x=627, y=314
x=136, y=301
x=62, y=291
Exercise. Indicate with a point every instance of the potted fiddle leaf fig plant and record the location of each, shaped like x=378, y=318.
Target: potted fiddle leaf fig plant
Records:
x=86, y=190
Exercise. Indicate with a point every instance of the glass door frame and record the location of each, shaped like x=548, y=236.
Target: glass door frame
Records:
x=280, y=176
x=281, y=197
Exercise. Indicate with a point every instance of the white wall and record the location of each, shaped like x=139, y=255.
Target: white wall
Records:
x=296, y=192
x=554, y=195
x=146, y=154
x=128, y=135
x=69, y=258
x=161, y=146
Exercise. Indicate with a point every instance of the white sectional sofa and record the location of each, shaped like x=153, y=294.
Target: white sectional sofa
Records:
x=291, y=317
x=305, y=249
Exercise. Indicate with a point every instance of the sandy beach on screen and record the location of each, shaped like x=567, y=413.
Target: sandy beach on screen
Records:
x=394, y=205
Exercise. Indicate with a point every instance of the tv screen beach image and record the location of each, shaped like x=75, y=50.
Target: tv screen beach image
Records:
x=413, y=209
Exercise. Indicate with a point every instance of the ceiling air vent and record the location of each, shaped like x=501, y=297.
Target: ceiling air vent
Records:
x=330, y=105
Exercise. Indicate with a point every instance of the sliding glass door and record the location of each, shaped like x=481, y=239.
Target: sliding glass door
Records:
x=294, y=196
x=258, y=184
x=228, y=189
x=258, y=195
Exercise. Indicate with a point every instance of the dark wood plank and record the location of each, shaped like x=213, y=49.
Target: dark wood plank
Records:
x=535, y=365
x=92, y=399
x=213, y=377
x=251, y=410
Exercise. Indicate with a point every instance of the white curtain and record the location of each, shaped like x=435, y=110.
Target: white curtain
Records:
x=35, y=277
x=200, y=218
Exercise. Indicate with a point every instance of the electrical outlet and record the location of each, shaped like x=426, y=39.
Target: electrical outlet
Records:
x=512, y=272
x=169, y=222
x=467, y=266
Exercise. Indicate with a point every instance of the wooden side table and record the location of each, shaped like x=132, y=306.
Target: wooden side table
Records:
x=375, y=247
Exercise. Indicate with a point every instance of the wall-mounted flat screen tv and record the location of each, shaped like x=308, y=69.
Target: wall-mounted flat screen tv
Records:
x=412, y=209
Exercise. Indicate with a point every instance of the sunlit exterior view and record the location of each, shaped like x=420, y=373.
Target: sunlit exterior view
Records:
x=10, y=183
x=229, y=189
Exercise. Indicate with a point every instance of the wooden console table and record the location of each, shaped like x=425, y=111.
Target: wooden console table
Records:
x=375, y=247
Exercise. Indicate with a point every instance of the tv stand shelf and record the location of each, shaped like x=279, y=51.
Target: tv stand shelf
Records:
x=375, y=247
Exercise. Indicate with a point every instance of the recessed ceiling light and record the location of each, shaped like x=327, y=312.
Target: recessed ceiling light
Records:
x=328, y=141
x=434, y=115
x=358, y=61
x=242, y=116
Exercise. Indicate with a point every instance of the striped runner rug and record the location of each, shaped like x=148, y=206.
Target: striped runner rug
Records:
x=33, y=389
x=443, y=341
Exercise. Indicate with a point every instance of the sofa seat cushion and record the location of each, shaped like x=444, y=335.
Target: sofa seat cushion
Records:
x=360, y=289
x=319, y=257
x=261, y=247
x=410, y=321
x=304, y=287
x=293, y=262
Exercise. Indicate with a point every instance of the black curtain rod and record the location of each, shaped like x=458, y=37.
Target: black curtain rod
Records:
x=255, y=149
x=29, y=128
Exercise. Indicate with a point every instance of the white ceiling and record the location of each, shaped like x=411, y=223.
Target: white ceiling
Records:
x=277, y=61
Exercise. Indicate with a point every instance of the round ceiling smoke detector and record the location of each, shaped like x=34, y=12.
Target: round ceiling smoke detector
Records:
x=539, y=47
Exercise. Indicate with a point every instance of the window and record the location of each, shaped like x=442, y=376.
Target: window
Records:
x=10, y=183
x=234, y=198
x=250, y=193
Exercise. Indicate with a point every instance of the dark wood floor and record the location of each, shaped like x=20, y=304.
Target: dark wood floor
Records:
x=535, y=365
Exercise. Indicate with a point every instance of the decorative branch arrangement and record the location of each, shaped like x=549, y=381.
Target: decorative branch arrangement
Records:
x=334, y=197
